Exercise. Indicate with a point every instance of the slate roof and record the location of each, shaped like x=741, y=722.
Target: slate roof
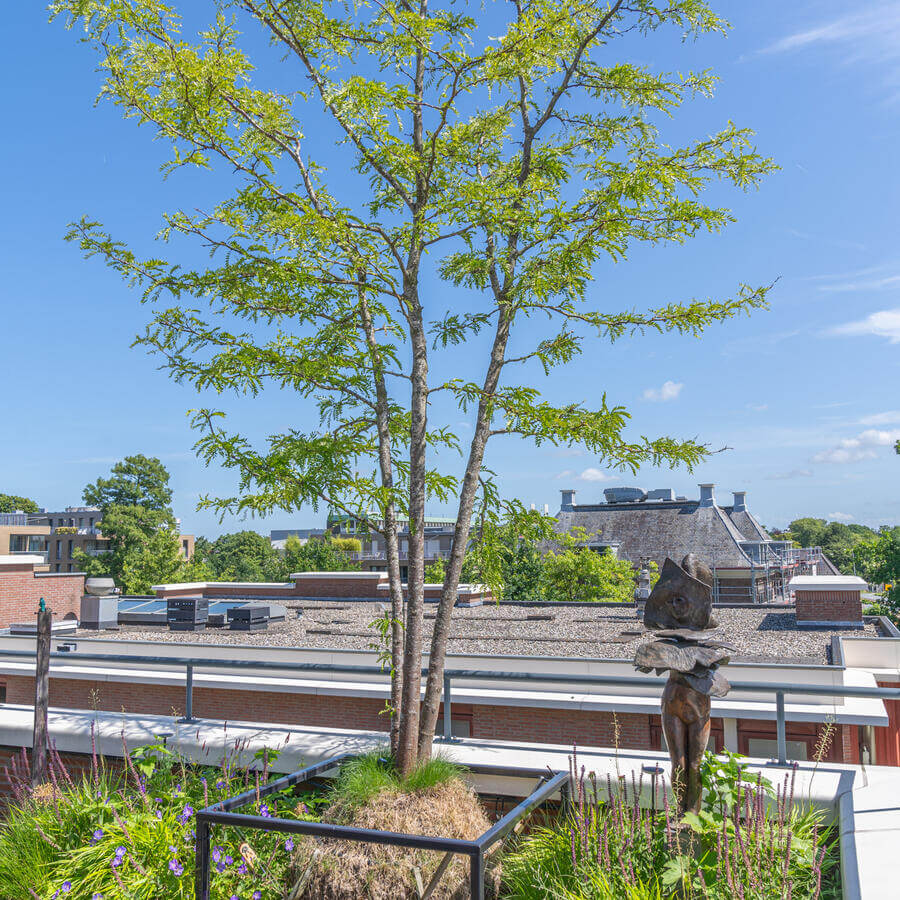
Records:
x=660, y=529
x=746, y=524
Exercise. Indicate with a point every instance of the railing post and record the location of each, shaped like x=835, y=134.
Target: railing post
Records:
x=189, y=694
x=201, y=869
x=780, y=728
x=476, y=876
x=448, y=702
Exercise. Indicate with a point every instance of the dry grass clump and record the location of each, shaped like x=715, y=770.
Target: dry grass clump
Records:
x=347, y=870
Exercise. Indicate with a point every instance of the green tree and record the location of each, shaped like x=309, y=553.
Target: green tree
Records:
x=145, y=548
x=135, y=517
x=579, y=573
x=245, y=556
x=435, y=572
x=10, y=503
x=323, y=554
x=135, y=481
x=506, y=152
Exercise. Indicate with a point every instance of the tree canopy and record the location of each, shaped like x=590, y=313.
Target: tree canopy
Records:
x=509, y=151
x=10, y=503
x=136, y=519
x=135, y=481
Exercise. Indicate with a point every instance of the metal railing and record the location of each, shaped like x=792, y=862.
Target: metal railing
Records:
x=780, y=690
x=224, y=813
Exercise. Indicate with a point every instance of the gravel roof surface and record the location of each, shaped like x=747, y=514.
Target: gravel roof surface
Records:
x=600, y=631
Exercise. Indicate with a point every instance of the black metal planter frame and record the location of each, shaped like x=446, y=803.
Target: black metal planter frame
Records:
x=224, y=813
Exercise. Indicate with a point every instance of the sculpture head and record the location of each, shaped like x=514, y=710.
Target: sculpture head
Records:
x=682, y=598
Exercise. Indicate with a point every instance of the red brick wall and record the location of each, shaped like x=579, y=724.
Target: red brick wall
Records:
x=537, y=725
x=21, y=590
x=828, y=606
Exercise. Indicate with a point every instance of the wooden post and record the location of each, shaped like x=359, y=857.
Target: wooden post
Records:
x=41, y=696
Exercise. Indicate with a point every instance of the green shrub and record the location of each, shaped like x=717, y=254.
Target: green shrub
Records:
x=129, y=835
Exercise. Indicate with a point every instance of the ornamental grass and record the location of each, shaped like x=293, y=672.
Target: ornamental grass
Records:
x=750, y=841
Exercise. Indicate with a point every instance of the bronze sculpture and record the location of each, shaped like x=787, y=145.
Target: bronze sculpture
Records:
x=679, y=611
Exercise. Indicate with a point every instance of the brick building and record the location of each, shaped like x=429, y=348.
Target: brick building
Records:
x=24, y=580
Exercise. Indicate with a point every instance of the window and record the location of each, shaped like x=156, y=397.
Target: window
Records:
x=58, y=552
x=70, y=568
x=81, y=522
x=91, y=522
x=3, y=693
x=765, y=748
x=71, y=545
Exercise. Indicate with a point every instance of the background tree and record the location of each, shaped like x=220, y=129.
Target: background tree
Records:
x=504, y=150
x=136, y=519
x=435, y=572
x=325, y=554
x=135, y=481
x=10, y=503
x=579, y=573
x=245, y=556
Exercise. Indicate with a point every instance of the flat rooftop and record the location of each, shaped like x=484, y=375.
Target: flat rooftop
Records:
x=602, y=631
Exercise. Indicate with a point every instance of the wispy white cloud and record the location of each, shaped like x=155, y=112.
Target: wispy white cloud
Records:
x=566, y=473
x=865, y=445
x=669, y=391
x=758, y=407
x=870, y=35
x=592, y=474
x=889, y=417
x=884, y=323
x=841, y=517
x=789, y=476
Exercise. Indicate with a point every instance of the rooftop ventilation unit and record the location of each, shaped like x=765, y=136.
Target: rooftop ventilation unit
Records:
x=187, y=613
x=624, y=495
x=99, y=612
x=253, y=617
x=661, y=494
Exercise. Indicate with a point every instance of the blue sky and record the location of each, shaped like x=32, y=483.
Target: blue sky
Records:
x=805, y=396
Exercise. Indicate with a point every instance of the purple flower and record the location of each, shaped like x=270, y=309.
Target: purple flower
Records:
x=159, y=814
x=233, y=897
x=257, y=895
x=289, y=845
x=96, y=896
x=264, y=811
x=120, y=851
x=216, y=854
x=157, y=799
x=187, y=812
x=98, y=833
x=176, y=867
x=229, y=860
x=242, y=869
x=66, y=886
x=220, y=784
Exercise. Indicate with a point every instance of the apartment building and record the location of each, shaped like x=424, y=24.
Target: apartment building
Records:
x=76, y=528
x=20, y=536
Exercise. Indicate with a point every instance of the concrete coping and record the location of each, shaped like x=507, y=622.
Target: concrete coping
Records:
x=22, y=559
x=312, y=576
x=202, y=585
x=827, y=583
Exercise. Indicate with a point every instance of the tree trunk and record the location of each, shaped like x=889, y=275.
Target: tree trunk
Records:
x=435, y=683
x=382, y=415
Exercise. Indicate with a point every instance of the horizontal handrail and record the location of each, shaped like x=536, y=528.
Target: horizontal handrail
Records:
x=778, y=689
x=457, y=674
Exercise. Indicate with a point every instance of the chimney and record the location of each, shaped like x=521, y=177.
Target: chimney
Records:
x=740, y=501
x=707, y=495
x=568, y=501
